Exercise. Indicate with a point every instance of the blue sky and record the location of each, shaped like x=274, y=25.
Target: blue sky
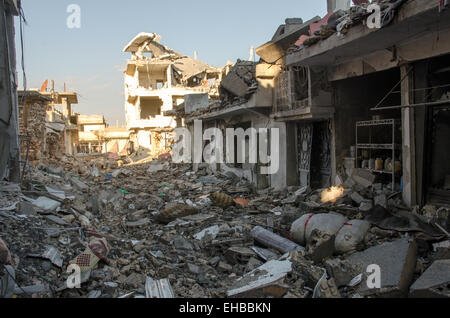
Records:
x=90, y=59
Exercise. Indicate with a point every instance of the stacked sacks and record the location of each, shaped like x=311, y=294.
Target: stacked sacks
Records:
x=326, y=223
x=349, y=235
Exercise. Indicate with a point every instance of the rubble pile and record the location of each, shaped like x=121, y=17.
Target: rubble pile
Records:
x=239, y=83
x=341, y=21
x=157, y=229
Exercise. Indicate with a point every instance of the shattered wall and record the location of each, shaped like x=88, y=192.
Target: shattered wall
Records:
x=32, y=124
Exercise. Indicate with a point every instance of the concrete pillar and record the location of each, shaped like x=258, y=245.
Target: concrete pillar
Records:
x=66, y=108
x=279, y=180
x=9, y=114
x=408, y=138
x=420, y=118
x=169, y=77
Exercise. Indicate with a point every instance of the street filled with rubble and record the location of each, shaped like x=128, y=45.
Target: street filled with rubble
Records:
x=316, y=168
x=138, y=228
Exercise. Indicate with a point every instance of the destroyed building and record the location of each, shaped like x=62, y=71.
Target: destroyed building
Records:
x=388, y=91
x=338, y=92
x=96, y=137
x=60, y=112
x=91, y=140
x=38, y=139
x=157, y=79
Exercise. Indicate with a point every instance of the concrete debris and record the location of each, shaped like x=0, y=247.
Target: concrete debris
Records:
x=196, y=233
x=341, y=270
x=263, y=281
x=397, y=262
x=434, y=283
x=442, y=250
x=212, y=231
x=46, y=204
x=363, y=177
x=158, y=289
x=52, y=254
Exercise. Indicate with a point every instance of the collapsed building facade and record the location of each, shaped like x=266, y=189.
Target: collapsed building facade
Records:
x=157, y=79
x=345, y=97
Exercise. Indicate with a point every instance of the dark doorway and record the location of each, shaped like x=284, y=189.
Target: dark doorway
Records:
x=439, y=156
x=314, y=154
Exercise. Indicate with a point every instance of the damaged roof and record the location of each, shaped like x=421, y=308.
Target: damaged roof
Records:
x=186, y=67
x=149, y=42
x=189, y=67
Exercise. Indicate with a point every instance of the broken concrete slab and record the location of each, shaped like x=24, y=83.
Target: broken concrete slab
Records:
x=363, y=177
x=139, y=223
x=264, y=254
x=442, y=250
x=158, y=289
x=52, y=254
x=263, y=281
x=46, y=204
x=381, y=200
x=366, y=206
x=212, y=231
x=434, y=283
x=239, y=255
x=193, y=102
x=25, y=208
x=357, y=198
x=397, y=261
x=57, y=220
x=78, y=184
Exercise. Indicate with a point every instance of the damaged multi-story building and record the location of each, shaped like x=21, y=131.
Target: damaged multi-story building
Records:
x=50, y=128
x=349, y=97
x=157, y=79
x=96, y=137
